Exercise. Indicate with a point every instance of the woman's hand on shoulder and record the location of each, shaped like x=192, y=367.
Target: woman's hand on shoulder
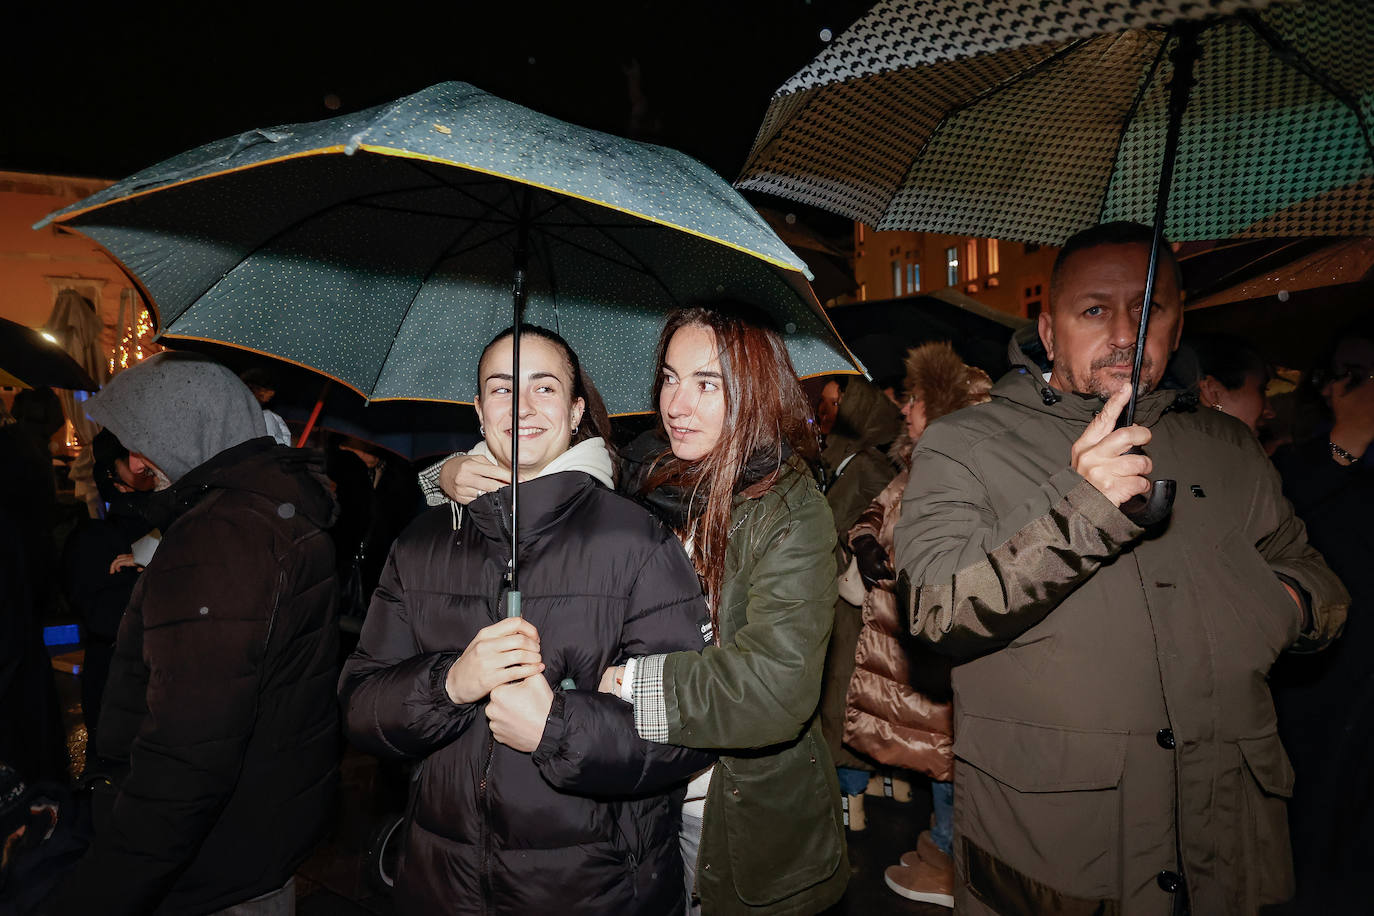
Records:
x=502, y=653
x=463, y=478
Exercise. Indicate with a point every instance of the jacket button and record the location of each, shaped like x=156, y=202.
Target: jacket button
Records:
x=1165, y=738
x=1169, y=881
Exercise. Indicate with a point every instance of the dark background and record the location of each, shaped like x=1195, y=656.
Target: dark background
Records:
x=107, y=90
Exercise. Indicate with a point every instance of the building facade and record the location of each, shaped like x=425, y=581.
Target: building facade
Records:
x=1008, y=276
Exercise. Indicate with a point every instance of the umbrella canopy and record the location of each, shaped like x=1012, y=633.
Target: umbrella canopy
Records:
x=1031, y=120
x=28, y=359
x=378, y=248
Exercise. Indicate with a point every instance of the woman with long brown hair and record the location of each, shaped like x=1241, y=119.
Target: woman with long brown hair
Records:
x=728, y=472
x=733, y=481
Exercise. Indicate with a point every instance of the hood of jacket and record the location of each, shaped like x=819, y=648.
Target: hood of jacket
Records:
x=866, y=418
x=1027, y=384
x=178, y=409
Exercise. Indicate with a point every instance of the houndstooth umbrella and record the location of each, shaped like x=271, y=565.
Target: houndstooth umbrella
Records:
x=1030, y=119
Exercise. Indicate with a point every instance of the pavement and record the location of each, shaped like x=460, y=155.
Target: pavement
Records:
x=336, y=881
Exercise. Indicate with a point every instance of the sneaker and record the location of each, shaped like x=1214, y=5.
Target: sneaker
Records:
x=923, y=883
x=926, y=851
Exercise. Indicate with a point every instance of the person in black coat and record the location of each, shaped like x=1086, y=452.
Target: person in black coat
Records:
x=99, y=572
x=529, y=800
x=1326, y=701
x=219, y=713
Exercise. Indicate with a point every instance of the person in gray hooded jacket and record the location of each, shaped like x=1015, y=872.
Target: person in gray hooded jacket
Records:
x=219, y=724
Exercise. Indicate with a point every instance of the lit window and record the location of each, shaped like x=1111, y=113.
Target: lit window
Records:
x=896, y=278
x=971, y=259
x=994, y=257
x=913, y=278
x=951, y=266
x=863, y=292
x=859, y=228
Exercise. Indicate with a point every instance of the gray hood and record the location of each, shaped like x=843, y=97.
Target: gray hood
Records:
x=178, y=409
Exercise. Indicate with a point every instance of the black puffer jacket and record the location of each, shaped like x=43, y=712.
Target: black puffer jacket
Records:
x=220, y=701
x=588, y=823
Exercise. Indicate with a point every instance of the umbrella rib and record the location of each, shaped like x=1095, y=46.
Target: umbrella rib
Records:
x=449, y=252
x=1299, y=61
x=641, y=265
x=1140, y=91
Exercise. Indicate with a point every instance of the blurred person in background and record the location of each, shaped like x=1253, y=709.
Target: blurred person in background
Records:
x=1232, y=377
x=1326, y=701
x=897, y=711
x=855, y=468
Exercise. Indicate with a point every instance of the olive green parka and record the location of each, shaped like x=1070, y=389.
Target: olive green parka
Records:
x=1114, y=733
x=772, y=835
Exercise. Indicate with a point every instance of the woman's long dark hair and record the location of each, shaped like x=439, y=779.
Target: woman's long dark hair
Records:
x=595, y=420
x=766, y=415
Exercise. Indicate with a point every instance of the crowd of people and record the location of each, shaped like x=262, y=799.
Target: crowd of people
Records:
x=668, y=684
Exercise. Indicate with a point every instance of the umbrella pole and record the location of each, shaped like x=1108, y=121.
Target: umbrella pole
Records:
x=1149, y=510
x=518, y=306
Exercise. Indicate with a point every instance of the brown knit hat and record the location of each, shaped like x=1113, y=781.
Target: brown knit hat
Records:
x=937, y=374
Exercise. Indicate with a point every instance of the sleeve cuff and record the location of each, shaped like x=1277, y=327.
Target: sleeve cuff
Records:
x=627, y=681
x=651, y=709
x=429, y=482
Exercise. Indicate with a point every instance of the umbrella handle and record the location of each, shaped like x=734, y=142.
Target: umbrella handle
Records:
x=1147, y=510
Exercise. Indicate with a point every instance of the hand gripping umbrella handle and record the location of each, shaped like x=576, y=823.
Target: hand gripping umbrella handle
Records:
x=513, y=610
x=1150, y=509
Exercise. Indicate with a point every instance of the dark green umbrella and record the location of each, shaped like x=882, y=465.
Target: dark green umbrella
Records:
x=379, y=248
x=384, y=249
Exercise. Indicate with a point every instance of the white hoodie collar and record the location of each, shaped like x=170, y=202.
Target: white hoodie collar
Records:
x=590, y=456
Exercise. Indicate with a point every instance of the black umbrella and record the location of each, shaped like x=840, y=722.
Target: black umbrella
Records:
x=30, y=359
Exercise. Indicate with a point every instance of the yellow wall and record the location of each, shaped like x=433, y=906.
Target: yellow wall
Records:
x=1021, y=269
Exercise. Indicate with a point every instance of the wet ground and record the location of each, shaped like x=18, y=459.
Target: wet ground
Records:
x=336, y=880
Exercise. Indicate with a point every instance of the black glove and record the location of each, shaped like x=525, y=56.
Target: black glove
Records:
x=873, y=565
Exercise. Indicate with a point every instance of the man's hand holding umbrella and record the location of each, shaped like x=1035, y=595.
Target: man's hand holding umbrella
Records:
x=1102, y=454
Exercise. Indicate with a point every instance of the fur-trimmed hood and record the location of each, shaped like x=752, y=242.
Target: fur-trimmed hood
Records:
x=937, y=374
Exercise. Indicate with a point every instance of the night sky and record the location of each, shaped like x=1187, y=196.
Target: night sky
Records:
x=106, y=92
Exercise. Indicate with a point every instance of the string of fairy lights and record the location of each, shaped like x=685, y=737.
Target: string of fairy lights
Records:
x=136, y=343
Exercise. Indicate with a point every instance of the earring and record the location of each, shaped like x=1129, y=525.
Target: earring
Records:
x=481, y=429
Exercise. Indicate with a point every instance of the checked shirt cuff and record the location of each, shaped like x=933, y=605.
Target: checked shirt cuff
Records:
x=429, y=482
x=651, y=711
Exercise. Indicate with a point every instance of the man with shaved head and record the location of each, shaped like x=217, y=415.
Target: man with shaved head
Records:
x=1115, y=739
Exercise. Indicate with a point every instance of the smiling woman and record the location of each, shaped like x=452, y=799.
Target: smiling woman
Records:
x=555, y=395
x=529, y=800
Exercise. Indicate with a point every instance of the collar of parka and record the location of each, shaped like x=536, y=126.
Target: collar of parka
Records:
x=1026, y=385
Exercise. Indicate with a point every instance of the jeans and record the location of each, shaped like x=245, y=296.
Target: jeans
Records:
x=942, y=793
x=689, y=841
x=852, y=781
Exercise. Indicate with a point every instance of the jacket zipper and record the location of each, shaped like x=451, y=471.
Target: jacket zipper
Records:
x=485, y=803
